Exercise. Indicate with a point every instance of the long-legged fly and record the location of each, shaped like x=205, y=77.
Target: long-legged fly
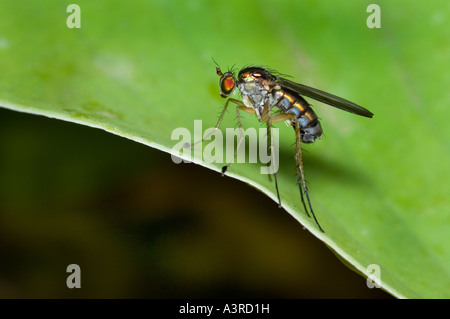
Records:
x=262, y=91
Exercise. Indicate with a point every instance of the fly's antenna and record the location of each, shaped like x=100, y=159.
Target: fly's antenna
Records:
x=218, y=70
x=215, y=62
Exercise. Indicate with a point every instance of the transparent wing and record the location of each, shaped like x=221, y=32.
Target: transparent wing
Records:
x=325, y=97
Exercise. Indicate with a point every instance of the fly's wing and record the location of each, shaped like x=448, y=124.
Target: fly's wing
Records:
x=325, y=97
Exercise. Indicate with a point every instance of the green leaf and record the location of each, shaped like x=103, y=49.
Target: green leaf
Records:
x=142, y=69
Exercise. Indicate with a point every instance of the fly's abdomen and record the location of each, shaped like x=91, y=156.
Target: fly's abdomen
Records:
x=292, y=103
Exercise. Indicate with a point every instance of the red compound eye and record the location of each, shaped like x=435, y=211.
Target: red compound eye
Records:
x=227, y=84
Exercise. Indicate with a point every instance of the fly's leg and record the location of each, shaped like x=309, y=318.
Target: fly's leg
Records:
x=266, y=113
x=300, y=173
x=240, y=103
x=242, y=107
x=270, y=119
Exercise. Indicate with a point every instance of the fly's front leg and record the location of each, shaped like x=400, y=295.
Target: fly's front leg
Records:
x=187, y=145
x=242, y=107
x=300, y=173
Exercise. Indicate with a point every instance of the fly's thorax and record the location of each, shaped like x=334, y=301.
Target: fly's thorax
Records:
x=256, y=83
x=254, y=95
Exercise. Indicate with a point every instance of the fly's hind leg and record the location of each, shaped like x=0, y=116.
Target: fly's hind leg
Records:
x=300, y=173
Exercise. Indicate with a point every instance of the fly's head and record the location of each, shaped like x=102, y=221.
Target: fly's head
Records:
x=227, y=82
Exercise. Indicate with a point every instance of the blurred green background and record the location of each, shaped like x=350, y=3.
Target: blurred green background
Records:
x=141, y=226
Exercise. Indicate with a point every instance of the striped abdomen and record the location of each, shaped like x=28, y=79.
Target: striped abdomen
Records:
x=291, y=102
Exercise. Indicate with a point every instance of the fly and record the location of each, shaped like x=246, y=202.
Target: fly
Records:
x=262, y=92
